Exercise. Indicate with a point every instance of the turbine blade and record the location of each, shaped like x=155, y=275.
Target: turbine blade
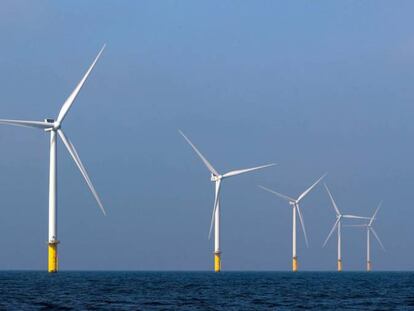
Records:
x=378, y=239
x=238, y=172
x=310, y=188
x=333, y=201
x=355, y=217
x=78, y=162
x=70, y=100
x=285, y=197
x=216, y=200
x=31, y=124
x=375, y=214
x=303, y=225
x=330, y=232
x=206, y=163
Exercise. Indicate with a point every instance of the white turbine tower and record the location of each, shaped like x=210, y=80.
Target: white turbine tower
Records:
x=216, y=177
x=370, y=229
x=54, y=127
x=296, y=209
x=337, y=225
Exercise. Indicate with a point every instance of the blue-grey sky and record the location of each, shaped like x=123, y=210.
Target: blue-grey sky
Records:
x=315, y=86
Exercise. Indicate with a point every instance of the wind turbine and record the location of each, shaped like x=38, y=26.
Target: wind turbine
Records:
x=337, y=225
x=54, y=127
x=295, y=208
x=370, y=228
x=217, y=178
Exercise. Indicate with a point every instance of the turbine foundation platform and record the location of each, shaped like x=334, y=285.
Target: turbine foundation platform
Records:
x=339, y=265
x=52, y=266
x=217, y=261
x=295, y=264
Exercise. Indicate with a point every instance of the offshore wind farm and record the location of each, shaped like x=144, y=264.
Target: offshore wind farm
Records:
x=229, y=155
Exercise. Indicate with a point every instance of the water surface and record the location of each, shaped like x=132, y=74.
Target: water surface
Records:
x=207, y=290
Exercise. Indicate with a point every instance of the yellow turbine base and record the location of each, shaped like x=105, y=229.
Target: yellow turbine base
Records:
x=368, y=265
x=295, y=264
x=52, y=266
x=217, y=262
x=339, y=265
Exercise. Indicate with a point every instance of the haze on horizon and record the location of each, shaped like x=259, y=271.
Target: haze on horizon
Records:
x=315, y=87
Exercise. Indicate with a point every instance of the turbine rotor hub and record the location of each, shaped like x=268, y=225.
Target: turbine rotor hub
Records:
x=56, y=125
x=216, y=177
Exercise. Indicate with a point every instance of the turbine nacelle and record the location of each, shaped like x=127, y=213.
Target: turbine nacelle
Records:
x=216, y=177
x=54, y=125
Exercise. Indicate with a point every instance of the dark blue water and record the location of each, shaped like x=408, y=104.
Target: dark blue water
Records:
x=207, y=291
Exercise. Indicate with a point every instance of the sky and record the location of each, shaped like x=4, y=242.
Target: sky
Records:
x=313, y=86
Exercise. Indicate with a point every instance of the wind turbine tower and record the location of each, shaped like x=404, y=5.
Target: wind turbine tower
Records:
x=54, y=127
x=294, y=203
x=337, y=225
x=217, y=178
x=370, y=229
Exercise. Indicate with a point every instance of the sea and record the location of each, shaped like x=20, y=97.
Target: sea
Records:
x=72, y=290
